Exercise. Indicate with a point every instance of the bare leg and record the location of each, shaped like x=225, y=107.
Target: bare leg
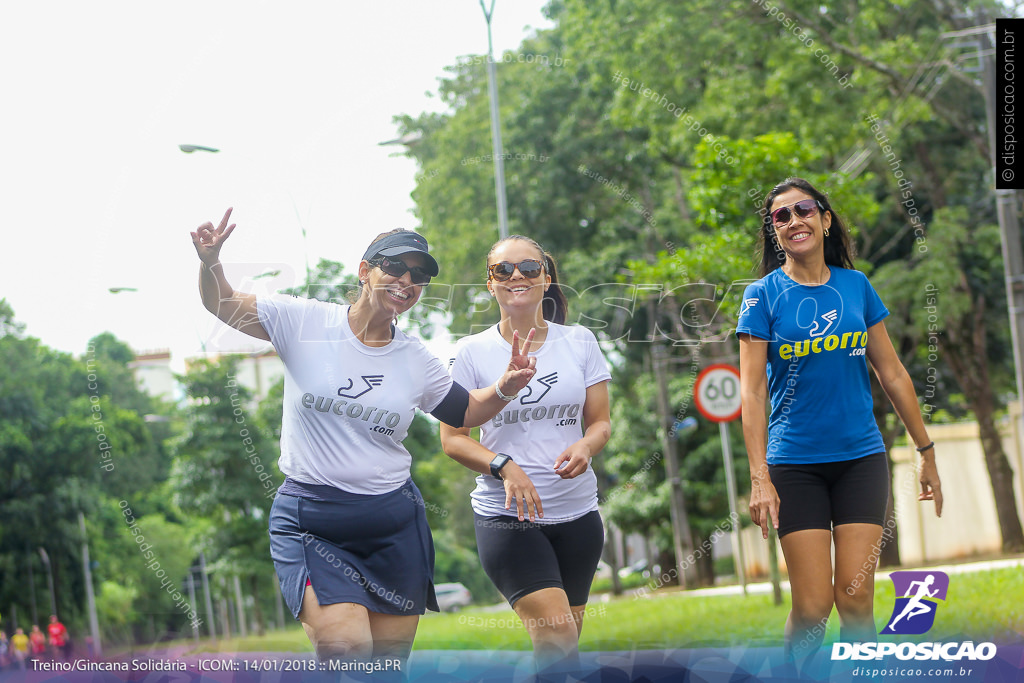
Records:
x=809, y=562
x=340, y=631
x=553, y=626
x=393, y=635
x=856, y=557
x=577, y=613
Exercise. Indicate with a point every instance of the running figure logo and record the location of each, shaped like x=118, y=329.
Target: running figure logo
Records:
x=916, y=595
x=547, y=381
x=370, y=381
x=830, y=318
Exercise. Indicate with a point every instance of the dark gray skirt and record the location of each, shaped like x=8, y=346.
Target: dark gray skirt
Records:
x=374, y=551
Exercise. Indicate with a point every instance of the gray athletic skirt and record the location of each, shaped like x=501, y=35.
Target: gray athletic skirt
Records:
x=374, y=551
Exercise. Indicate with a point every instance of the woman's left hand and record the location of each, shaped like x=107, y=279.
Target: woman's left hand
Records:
x=931, y=488
x=521, y=367
x=573, y=461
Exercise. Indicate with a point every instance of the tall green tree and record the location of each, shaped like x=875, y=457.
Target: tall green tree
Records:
x=221, y=472
x=72, y=440
x=966, y=253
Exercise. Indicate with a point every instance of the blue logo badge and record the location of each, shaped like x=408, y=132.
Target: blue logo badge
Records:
x=916, y=596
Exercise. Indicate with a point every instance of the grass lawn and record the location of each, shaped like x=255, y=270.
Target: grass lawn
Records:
x=980, y=606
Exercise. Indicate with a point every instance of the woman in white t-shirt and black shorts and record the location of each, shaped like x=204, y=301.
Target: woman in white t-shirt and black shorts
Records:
x=348, y=530
x=534, y=456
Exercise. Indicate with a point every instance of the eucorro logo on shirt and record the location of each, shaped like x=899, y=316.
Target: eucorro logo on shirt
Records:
x=852, y=340
x=354, y=411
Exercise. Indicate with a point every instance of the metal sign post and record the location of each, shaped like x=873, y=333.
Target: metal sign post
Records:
x=717, y=396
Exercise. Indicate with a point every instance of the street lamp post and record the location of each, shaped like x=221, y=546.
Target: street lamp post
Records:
x=496, y=148
x=32, y=585
x=90, y=597
x=49, y=579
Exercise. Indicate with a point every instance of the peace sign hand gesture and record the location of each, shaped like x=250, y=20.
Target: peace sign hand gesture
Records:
x=521, y=367
x=208, y=240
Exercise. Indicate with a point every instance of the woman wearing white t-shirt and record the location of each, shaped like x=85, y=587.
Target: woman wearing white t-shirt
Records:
x=348, y=529
x=535, y=454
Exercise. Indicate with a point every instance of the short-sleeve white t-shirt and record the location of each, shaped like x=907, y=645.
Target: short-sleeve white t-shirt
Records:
x=347, y=406
x=544, y=420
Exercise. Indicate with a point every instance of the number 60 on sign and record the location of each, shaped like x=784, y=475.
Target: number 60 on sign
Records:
x=717, y=392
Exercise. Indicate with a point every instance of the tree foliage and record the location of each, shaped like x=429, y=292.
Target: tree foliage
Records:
x=662, y=126
x=73, y=440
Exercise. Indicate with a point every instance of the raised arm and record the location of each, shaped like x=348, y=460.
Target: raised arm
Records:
x=900, y=389
x=485, y=403
x=764, y=501
x=237, y=309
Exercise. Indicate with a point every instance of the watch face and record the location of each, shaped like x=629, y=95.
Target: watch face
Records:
x=499, y=461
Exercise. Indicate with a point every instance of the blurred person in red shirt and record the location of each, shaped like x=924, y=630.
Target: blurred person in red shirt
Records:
x=58, y=637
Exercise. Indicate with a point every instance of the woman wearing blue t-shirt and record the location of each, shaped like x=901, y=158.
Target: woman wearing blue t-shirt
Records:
x=807, y=330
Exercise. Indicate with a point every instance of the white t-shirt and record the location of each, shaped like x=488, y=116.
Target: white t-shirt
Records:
x=545, y=419
x=347, y=406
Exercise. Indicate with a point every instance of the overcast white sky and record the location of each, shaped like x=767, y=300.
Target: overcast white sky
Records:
x=98, y=96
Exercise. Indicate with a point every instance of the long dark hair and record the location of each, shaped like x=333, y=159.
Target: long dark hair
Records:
x=838, y=249
x=554, y=307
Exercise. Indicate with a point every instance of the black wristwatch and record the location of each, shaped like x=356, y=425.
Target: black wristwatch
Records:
x=500, y=460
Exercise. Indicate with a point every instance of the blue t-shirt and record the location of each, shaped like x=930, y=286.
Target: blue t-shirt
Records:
x=817, y=369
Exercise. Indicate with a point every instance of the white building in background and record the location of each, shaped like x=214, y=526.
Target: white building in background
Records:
x=152, y=371
x=257, y=372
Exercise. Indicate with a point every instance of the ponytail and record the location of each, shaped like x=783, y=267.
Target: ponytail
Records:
x=554, y=307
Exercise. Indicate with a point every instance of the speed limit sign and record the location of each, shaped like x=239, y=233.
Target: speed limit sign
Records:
x=717, y=392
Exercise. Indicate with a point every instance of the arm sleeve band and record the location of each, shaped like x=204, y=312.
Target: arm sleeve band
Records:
x=452, y=408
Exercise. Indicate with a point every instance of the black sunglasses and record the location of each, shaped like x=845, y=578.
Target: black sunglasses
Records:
x=803, y=209
x=503, y=270
x=397, y=268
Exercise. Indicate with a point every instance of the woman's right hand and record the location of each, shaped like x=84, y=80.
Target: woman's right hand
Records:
x=764, y=503
x=208, y=239
x=519, y=488
x=521, y=367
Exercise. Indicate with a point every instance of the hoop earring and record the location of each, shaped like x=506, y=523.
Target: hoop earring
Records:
x=826, y=232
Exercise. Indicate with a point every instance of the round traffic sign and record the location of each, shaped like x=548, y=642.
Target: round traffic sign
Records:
x=717, y=392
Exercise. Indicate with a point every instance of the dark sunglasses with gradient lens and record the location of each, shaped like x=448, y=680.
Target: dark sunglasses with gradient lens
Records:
x=803, y=209
x=397, y=268
x=503, y=270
